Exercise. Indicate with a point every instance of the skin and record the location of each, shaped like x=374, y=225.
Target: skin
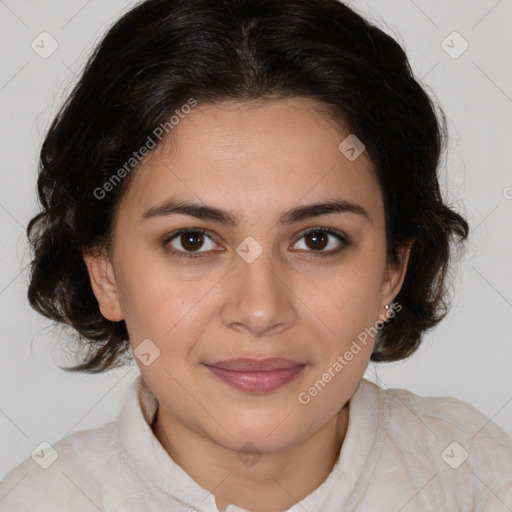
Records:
x=257, y=161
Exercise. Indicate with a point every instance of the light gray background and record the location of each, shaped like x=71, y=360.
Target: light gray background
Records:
x=468, y=356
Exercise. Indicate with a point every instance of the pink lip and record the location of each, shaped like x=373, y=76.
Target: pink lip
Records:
x=256, y=375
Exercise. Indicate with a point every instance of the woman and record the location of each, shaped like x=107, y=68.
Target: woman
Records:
x=244, y=193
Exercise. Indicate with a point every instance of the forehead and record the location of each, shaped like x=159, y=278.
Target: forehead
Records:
x=253, y=155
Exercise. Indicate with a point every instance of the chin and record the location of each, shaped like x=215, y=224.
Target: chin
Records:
x=269, y=436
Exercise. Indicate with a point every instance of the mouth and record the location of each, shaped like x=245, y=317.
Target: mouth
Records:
x=256, y=376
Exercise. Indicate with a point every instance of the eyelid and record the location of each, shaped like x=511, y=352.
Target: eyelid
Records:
x=330, y=231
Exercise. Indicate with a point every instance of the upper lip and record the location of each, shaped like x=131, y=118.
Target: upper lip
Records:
x=255, y=365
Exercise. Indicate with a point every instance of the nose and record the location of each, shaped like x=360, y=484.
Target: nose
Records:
x=258, y=298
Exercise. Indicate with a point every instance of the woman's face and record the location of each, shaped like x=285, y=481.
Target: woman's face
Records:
x=253, y=284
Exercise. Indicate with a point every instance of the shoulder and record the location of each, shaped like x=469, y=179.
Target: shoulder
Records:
x=468, y=455
x=68, y=471
x=442, y=415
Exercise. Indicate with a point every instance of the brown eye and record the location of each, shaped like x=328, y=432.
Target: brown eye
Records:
x=187, y=242
x=317, y=240
x=322, y=241
x=192, y=241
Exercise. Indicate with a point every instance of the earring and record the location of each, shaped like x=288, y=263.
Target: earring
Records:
x=387, y=306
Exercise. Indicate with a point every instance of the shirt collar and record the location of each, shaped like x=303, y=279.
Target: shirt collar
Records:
x=136, y=416
x=345, y=484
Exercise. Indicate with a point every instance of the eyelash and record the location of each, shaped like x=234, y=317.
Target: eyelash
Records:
x=181, y=254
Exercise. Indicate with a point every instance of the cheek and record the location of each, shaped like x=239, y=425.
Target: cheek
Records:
x=346, y=297
x=172, y=304
x=159, y=304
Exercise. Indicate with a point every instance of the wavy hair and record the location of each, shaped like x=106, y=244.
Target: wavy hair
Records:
x=163, y=52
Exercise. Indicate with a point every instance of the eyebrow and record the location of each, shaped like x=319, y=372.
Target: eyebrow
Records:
x=171, y=206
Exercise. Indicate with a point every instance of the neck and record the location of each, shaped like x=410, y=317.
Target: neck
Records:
x=274, y=483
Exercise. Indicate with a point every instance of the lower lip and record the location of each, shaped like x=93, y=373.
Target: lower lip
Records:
x=257, y=382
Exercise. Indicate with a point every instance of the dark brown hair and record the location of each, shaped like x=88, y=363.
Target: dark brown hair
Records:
x=163, y=52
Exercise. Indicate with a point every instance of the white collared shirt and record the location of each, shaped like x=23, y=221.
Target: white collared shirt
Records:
x=401, y=452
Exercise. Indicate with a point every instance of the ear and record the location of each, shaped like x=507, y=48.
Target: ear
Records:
x=103, y=283
x=395, y=275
